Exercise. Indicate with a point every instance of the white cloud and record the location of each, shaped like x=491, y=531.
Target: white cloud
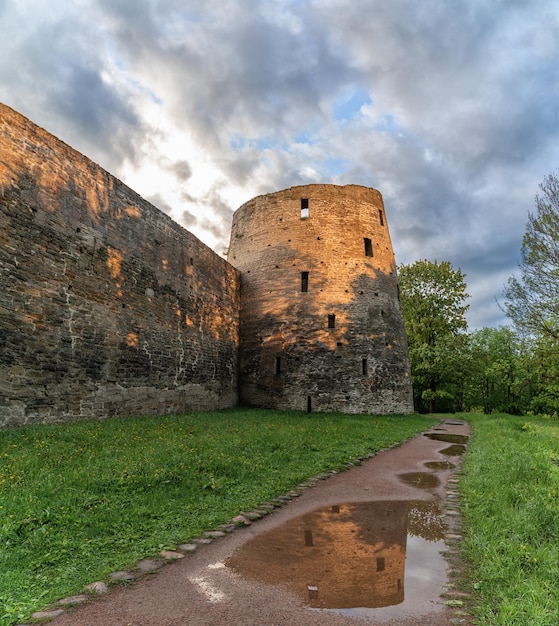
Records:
x=449, y=109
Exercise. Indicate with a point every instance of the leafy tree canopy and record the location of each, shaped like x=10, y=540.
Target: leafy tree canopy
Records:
x=433, y=296
x=532, y=300
x=499, y=379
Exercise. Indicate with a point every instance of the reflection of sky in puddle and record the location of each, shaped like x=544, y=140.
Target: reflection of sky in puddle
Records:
x=448, y=437
x=383, y=557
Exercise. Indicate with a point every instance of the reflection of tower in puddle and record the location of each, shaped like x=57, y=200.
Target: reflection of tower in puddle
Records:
x=361, y=556
x=343, y=556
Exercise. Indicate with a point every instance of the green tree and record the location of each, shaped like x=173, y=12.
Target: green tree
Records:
x=499, y=380
x=532, y=300
x=433, y=302
x=542, y=373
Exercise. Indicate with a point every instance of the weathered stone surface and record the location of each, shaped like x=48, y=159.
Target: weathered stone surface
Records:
x=149, y=565
x=240, y=520
x=251, y=515
x=98, y=588
x=228, y=528
x=47, y=614
x=453, y=536
x=188, y=547
x=171, y=555
x=107, y=306
x=321, y=319
x=122, y=576
x=73, y=600
x=214, y=534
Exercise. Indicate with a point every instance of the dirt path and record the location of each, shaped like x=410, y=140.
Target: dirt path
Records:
x=344, y=542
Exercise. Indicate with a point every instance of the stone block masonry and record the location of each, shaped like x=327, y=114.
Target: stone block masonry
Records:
x=110, y=308
x=321, y=319
x=107, y=306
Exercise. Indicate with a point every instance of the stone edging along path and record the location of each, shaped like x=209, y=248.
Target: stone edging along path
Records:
x=152, y=564
x=456, y=601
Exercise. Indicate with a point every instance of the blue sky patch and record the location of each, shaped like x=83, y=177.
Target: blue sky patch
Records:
x=348, y=108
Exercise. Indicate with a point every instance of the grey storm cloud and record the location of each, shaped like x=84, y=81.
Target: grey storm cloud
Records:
x=158, y=201
x=56, y=65
x=448, y=108
x=187, y=219
x=182, y=170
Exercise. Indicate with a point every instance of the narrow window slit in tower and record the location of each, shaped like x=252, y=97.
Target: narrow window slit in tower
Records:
x=304, y=208
x=364, y=367
x=331, y=320
x=278, y=365
x=309, y=404
x=380, y=564
x=368, y=246
x=381, y=217
x=304, y=281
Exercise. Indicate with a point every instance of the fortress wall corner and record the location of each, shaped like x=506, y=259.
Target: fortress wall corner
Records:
x=110, y=308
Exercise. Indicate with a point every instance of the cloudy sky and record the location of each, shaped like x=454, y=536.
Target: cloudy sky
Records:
x=449, y=107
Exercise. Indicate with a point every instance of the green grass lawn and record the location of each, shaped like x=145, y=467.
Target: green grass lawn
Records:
x=510, y=491
x=78, y=501
x=81, y=500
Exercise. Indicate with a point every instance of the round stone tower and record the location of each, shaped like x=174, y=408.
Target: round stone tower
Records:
x=321, y=320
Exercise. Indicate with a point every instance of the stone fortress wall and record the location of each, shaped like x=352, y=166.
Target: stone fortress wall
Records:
x=107, y=306
x=110, y=308
x=321, y=319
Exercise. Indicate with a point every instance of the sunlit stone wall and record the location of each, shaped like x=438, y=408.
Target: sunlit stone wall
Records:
x=321, y=322
x=107, y=306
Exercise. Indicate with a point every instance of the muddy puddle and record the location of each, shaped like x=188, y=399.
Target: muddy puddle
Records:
x=453, y=450
x=458, y=442
x=373, y=559
x=440, y=465
x=421, y=480
x=447, y=437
